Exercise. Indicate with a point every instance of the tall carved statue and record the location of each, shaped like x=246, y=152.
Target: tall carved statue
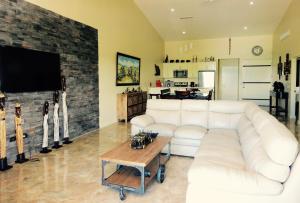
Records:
x=56, y=144
x=3, y=159
x=65, y=111
x=19, y=135
x=45, y=127
x=280, y=68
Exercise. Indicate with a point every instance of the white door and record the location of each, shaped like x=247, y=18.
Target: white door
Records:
x=229, y=79
x=256, y=78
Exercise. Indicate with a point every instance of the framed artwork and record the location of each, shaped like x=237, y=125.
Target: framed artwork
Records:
x=128, y=70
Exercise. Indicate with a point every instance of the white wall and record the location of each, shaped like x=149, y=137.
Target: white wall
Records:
x=218, y=48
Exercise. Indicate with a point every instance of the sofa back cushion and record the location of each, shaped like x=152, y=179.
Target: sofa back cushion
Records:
x=251, y=110
x=256, y=158
x=194, y=112
x=278, y=142
x=164, y=110
x=225, y=114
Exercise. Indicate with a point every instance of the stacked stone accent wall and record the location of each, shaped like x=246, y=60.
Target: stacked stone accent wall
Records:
x=23, y=24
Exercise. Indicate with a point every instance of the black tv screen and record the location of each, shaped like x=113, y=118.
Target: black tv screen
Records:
x=25, y=70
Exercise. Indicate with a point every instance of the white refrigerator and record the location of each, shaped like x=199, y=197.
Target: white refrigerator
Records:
x=206, y=80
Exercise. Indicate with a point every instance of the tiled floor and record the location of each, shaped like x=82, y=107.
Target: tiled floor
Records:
x=295, y=129
x=72, y=174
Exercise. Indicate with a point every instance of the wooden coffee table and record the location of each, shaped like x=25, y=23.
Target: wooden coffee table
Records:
x=136, y=168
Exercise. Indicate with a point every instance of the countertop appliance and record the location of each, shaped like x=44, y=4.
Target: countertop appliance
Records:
x=181, y=84
x=180, y=73
x=169, y=83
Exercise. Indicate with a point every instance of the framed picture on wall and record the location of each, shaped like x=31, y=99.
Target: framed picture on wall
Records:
x=128, y=70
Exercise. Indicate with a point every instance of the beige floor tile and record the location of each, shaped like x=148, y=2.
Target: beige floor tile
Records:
x=72, y=174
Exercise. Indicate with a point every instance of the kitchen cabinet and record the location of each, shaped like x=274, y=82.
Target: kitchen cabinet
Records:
x=193, y=68
x=203, y=66
x=130, y=105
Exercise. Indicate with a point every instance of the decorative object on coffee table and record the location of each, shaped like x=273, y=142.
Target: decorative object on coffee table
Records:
x=19, y=135
x=135, y=166
x=142, y=139
x=45, y=128
x=3, y=159
x=128, y=70
x=56, y=144
x=65, y=111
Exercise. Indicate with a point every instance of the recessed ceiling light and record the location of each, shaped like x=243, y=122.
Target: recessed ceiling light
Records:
x=183, y=32
x=245, y=28
x=172, y=9
x=251, y=3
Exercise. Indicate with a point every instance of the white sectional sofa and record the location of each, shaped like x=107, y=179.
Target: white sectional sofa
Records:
x=241, y=153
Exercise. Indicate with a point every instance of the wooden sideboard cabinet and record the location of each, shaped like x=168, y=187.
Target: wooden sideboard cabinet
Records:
x=130, y=105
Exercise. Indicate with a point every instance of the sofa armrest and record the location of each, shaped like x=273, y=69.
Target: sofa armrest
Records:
x=142, y=121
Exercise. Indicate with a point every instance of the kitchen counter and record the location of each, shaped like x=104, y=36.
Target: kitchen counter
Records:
x=157, y=90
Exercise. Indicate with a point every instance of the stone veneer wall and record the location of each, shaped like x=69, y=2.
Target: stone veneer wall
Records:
x=23, y=24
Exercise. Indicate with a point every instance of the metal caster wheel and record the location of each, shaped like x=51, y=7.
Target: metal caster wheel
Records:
x=160, y=176
x=122, y=194
x=119, y=167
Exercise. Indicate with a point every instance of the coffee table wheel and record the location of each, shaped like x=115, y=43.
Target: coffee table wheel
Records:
x=122, y=194
x=119, y=167
x=160, y=176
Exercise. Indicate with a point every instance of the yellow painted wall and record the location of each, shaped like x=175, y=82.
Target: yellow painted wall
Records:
x=241, y=48
x=121, y=28
x=291, y=23
x=218, y=48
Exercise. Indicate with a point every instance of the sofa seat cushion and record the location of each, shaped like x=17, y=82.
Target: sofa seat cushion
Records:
x=190, y=132
x=223, y=138
x=208, y=174
x=221, y=147
x=185, y=142
x=219, y=163
x=162, y=129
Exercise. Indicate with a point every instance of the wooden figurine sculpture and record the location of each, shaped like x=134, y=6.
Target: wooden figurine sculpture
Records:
x=19, y=136
x=280, y=68
x=287, y=67
x=56, y=144
x=45, y=127
x=3, y=159
x=65, y=111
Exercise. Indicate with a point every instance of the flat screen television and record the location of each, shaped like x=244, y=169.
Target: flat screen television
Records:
x=25, y=70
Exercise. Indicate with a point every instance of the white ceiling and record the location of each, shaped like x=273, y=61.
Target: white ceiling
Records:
x=213, y=18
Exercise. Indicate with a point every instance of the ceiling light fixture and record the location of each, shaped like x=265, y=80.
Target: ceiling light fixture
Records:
x=183, y=32
x=245, y=28
x=251, y=3
x=172, y=9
